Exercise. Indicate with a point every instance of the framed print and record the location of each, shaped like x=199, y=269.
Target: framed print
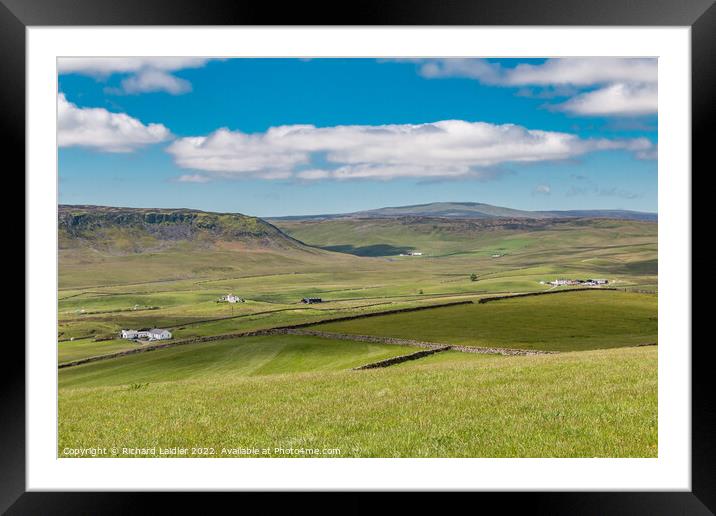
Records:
x=438, y=249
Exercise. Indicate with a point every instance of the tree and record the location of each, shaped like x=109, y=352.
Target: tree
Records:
x=473, y=277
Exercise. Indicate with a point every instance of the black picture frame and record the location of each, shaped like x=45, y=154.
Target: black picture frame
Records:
x=17, y=15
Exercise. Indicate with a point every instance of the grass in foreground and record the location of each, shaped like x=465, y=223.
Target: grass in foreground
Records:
x=588, y=404
x=556, y=322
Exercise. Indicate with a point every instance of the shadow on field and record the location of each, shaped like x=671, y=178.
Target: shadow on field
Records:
x=369, y=250
x=648, y=267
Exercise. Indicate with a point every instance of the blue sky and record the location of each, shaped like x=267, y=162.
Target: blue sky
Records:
x=272, y=137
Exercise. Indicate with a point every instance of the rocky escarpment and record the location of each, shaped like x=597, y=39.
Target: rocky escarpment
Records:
x=137, y=229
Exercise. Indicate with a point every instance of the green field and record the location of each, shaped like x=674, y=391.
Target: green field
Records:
x=230, y=359
x=123, y=268
x=569, y=321
x=444, y=237
x=588, y=404
x=100, y=289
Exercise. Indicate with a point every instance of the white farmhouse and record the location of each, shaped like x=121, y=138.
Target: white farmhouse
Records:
x=159, y=334
x=231, y=298
x=153, y=334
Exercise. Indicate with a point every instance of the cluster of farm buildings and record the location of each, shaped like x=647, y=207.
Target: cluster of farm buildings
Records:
x=231, y=298
x=586, y=282
x=153, y=334
x=412, y=253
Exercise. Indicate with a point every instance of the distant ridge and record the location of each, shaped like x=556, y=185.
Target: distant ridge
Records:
x=470, y=210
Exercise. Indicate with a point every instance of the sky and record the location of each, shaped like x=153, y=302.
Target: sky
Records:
x=276, y=137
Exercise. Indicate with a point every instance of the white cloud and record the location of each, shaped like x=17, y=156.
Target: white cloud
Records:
x=445, y=149
x=615, y=99
x=542, y=189
x=155, y=80
x=584, y=71
x=236, y=152
x=313, y=174
x=146, y=74
x=625, y=86
x=480, y=69
x=108, y=65
x=100, y=129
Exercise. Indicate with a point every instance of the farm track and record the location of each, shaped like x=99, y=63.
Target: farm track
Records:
x=94, y=317
x=82, y=315
x=235, y=278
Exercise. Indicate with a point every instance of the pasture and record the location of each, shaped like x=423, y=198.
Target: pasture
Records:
x=183, y=295
x=231, y=358
x=587, y=404
x=566, y=321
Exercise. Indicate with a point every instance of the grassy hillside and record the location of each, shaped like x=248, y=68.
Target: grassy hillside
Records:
x=556, y=322
x=229, y=359
x=480, y=238
x=140, y=229
x=588, y=404
x=100, y=246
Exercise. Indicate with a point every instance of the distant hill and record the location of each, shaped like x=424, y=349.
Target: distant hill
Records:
x=105, y=246
x=444, y=236
x=476, y=210
x=143, y=229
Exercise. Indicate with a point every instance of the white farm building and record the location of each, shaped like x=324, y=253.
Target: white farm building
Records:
x=153, y=334
x=231, y=298
x=159, y=334
x=130, y=334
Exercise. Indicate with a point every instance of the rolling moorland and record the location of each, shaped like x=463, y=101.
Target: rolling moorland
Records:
x=593, y=394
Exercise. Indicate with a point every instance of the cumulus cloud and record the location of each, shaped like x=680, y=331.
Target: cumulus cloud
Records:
x=144, y=74
x=480, y=69
x=619, y=86
x=619, y=98
x=445, y=149
x=155, y=80
x=102, y=130
x=584, y=71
